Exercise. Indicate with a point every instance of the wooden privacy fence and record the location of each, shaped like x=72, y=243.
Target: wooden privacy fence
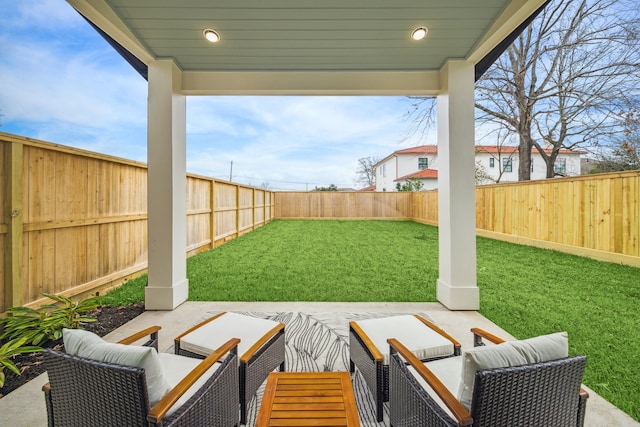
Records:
x=74, y=222
x=591, y=215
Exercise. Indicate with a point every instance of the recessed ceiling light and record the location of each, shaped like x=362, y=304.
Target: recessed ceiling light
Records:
x=419, y=33
x=211, y=35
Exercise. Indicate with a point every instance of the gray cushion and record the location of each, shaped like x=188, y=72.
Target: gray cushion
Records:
x=87, y=344
x=511, y=353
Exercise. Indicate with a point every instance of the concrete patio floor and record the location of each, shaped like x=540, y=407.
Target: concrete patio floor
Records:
x=26, y=407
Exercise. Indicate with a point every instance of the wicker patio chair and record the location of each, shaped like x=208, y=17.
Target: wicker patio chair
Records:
x=261, y=349
x=83, y=391
x=545, y=393
x=369, y=351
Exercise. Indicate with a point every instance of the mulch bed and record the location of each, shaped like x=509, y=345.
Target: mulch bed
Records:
x=31, y=365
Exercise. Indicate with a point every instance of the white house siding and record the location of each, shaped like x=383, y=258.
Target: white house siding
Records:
x=572, y=166
x=399, y=165
x=405, y=162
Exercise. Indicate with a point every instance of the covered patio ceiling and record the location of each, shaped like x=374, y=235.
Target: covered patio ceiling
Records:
x=309, y=47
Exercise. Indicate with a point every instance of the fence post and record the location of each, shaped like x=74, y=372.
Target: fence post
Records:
x=212, y=218
x=14, y=153
x=237, y=210
x=253, y=208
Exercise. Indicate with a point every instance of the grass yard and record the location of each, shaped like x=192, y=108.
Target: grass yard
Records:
x=527, y=291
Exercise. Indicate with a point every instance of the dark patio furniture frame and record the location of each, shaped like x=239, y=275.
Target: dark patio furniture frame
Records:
x=546, y=393
x=364, y=355
x=87, y=392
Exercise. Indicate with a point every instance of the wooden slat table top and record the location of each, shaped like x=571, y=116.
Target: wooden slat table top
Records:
x=308, y=399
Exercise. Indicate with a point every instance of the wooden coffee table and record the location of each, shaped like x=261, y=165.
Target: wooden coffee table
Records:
x=308, y=399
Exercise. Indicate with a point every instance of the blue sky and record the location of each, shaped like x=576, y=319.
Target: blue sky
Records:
x=62, y=83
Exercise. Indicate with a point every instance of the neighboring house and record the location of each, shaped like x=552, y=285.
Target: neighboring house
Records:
x=429, y=178
x=497, y=163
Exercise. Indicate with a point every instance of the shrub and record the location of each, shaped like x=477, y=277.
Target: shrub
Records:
x=11, y=349
x=46, y=323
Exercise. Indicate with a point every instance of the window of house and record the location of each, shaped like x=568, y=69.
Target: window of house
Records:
x=384, y=170
x=492, y=162
x=560, y=166
x=423, y=163
x=531, y=165
x=506, y=165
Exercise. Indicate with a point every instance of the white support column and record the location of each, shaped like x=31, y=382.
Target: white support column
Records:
x=168, y=286
x=457, y=287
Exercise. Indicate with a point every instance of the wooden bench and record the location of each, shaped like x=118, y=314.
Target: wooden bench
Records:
x=308, y=399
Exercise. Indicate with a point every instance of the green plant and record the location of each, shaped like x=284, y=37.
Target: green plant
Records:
x=11, y=349
x=411, y=184
x=46, y=323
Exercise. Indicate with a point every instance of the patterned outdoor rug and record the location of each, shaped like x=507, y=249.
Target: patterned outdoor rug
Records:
x=317, y=342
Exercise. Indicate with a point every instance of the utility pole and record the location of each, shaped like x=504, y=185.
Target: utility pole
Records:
x=231, y=172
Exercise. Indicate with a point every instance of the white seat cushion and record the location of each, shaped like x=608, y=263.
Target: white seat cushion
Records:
x=511, y=353
x=448, y=372
x=175, y=368
x=423, y=341
x=212, y=335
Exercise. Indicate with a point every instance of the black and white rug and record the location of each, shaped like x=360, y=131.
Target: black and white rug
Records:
x=318, y=342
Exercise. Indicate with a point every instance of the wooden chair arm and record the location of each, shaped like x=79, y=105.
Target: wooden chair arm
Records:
x=456, y=344
x=204, y=322
x=479, y=334
x=375, y=352
x=141, y=334
x=246, y=357
x=584, y=395
x=459, y=412
x=160, y=409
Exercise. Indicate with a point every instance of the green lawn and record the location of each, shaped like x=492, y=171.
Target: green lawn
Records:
x=527, y=291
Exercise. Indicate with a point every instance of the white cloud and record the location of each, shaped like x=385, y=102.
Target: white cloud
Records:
x=64, y=84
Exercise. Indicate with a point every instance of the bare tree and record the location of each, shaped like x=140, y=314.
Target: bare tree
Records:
x=482, y=176
x=563, y=81
x=562, y=84
x=624, y=154
x=366, y=174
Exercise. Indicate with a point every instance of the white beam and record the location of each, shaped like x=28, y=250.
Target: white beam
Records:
x=311, y=83
x=457, y=287
x=168, y=286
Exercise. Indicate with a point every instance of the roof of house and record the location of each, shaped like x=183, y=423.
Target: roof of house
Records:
x=491, y=149
x=421, y=174
x=509, y=149
x=369, y=188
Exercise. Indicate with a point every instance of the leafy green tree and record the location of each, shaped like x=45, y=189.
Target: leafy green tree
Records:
x=411, y=184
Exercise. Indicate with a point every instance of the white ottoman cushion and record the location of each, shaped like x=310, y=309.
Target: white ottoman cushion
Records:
x=212, y=335
x=423, y=341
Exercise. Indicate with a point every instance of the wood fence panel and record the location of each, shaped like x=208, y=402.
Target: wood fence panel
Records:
x=226, y=203
x=198, y=213
x=258, y=207
x=84, y=222
x=245, y=209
